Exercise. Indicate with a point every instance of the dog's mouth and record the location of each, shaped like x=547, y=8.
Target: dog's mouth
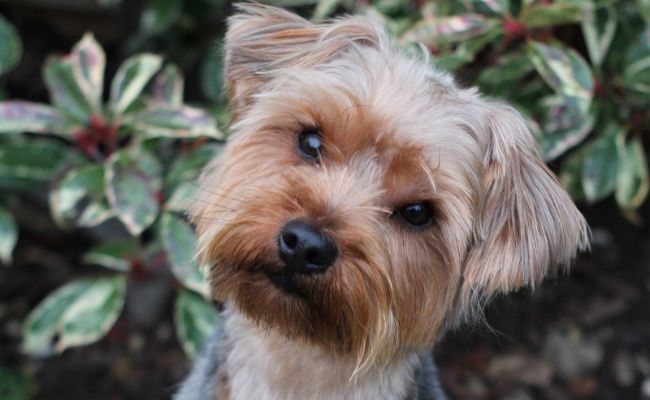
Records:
x=286, y=282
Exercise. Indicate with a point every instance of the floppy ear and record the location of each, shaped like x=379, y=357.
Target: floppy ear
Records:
x=527, y=225
x=261, y=39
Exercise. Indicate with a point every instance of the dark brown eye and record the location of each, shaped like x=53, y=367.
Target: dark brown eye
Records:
x=310, y=144
x=417, y=214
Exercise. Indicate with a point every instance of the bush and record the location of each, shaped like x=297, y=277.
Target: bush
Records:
x=578, y=70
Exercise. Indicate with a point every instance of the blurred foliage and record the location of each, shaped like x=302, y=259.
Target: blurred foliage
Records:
x=579, y=71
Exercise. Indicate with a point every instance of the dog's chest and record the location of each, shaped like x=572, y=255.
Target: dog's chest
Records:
x=260, y=365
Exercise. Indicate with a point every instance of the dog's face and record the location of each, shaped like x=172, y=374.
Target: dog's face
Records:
x=364, y=202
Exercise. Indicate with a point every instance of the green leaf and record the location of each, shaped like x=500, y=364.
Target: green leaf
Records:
x=26, y=164
x=187, y=166
x=15, y=384
x=636, y=73
x=598, y=29
x=79, y=313
x=167, y=86
x=324, y=8
x=8, y=236
x=212, y=74
x=179, y=241
x=23, y=116
x=115, y=255
x=10, y=46
x=78, y=188
x=644, y=8
x=160, y=15
x=181, y=197
x=130, y=79
x=564, y=126
x=65, y=91
x=95, y=214
x=571, y=175
x=88, y=62
x=601, y=164
x=632, y=183
x=195, y=319
x=508, y=70
x=541, y=16
x=133, y=184
x=565, y=71
x=183, y=122
x=497, y=6
x=435, y=31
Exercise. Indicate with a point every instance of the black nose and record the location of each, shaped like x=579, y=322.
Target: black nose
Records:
x=306, y=249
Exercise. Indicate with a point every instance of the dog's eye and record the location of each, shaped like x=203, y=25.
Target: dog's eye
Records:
x=417, y=214
x=310, y=143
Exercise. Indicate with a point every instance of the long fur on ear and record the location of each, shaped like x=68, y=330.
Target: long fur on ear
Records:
x=527, y=226
x=262, y=39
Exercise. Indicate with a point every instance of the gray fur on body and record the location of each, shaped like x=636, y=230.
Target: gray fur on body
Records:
x=202, y=382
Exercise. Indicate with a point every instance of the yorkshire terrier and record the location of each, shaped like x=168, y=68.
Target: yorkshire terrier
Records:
x=364, y=205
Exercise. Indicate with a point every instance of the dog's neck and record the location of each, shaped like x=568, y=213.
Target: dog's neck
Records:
x=261, y=364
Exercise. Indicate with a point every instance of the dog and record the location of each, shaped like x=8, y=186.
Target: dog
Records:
x=364, y=205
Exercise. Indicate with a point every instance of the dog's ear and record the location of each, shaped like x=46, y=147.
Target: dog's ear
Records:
x=261, y=39
x=526, y=224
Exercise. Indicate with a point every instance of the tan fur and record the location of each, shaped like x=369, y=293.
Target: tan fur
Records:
x=395, y=131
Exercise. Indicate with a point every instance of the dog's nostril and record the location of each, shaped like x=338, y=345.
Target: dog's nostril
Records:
x=290, y=239
x=305, y=248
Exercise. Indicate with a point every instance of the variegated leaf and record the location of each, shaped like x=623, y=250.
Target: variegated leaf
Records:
x=114, y=255
x=565, y=71
x=78, y=189
x=183, y=122
x=167, y=86
x=632, y=183
x=65, y=91
x=79, y=313
x=564, y=126
x=546, y=15
x=601, y=164
x=8, y=236
x=23, y=116
x=434, y=31
x=196, y=320
x=179, y=241
x=133, y=185
x=88, y=62
x=598, y=29
x=130, y=79
x=26, y=164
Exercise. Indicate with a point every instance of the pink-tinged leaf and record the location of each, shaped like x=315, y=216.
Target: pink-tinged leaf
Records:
x=494, y=5
x=23, y=116
x=167, y=86
x=133, y=184
x=65, y=91
x=437, y=30
x=564, y=126
x=184, y=122
x=130, y=79
x=89, y=61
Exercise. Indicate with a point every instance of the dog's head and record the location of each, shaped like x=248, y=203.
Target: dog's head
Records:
x=364, y=201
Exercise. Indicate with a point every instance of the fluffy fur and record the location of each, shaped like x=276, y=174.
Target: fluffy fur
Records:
x=395, y=131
